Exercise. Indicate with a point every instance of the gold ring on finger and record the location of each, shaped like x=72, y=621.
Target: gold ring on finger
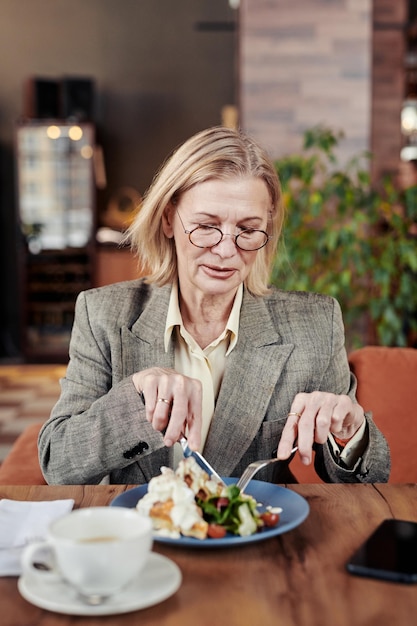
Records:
x=163, y=400
x=294, y=413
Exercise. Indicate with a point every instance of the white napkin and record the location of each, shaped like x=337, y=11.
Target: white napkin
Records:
x=22, y=522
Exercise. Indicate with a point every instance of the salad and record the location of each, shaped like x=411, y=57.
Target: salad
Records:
x=189, y=502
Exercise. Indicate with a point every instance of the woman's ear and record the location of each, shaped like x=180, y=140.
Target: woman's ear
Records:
x=167, y=220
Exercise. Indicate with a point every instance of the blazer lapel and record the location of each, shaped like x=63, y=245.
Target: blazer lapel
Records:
x=252, y=371
x=143, y=344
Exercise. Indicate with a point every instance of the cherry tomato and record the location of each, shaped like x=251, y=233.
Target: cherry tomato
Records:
x=270, y=519
x=215, y=531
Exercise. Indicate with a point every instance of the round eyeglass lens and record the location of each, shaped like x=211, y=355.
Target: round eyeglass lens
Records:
x=205, y=236
x=251, y=239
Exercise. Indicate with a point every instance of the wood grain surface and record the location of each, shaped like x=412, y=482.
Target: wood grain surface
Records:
x=295, y=579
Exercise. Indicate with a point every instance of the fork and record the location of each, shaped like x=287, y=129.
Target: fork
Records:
x=253, y=468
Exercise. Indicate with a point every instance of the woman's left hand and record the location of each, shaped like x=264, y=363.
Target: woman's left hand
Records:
x=313, y=416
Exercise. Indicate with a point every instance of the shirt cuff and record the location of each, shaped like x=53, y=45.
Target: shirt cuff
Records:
x=353, y=448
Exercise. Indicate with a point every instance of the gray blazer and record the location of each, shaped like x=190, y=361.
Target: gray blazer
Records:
x=288, y=343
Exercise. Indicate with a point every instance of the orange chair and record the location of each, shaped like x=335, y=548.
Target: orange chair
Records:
x=387, y=386
x=21, y=465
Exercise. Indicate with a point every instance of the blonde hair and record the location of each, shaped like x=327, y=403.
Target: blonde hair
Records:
x=216, y=153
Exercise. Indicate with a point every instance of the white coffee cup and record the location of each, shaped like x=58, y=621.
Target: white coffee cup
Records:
x=98, y=550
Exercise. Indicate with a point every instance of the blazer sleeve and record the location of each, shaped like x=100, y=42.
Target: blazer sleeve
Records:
x=98, y=425
x=374, y=464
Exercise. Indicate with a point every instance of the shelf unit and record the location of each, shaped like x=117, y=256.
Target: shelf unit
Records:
x=53, y=279
x=56, y=200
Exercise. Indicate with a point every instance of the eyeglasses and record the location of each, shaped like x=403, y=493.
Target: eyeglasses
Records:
x=204, y=236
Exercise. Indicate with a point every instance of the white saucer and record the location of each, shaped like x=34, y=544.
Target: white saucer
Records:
x=160, y=579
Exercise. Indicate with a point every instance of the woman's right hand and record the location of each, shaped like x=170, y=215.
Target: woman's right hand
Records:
x=173, y=403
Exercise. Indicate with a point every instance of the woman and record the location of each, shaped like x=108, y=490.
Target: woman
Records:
x=203, y=347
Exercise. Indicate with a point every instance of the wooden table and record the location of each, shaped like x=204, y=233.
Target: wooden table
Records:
x=295, y=579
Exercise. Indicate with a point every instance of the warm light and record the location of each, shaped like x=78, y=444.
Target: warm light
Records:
x=86, y=152
x=53, y=132
x=75, y=133
x=409, y=117
x=409, y=153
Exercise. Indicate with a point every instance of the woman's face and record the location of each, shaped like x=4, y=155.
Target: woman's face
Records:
x=230, y=205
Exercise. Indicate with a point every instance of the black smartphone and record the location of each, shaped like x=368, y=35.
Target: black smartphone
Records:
x=390, y=553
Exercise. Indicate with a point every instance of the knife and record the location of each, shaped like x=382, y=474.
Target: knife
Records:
x=201, y=461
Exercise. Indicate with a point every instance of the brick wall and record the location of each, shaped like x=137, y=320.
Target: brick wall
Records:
x=388, y=84
x=306, y=62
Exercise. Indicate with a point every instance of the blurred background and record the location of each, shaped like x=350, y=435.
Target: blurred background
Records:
x=94, y=94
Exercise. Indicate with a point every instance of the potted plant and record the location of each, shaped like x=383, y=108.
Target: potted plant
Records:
x=346, y=238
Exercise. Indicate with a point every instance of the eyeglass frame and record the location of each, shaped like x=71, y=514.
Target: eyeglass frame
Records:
x=190, y=232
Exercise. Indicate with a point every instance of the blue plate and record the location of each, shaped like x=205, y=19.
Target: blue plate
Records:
x=294, y=511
